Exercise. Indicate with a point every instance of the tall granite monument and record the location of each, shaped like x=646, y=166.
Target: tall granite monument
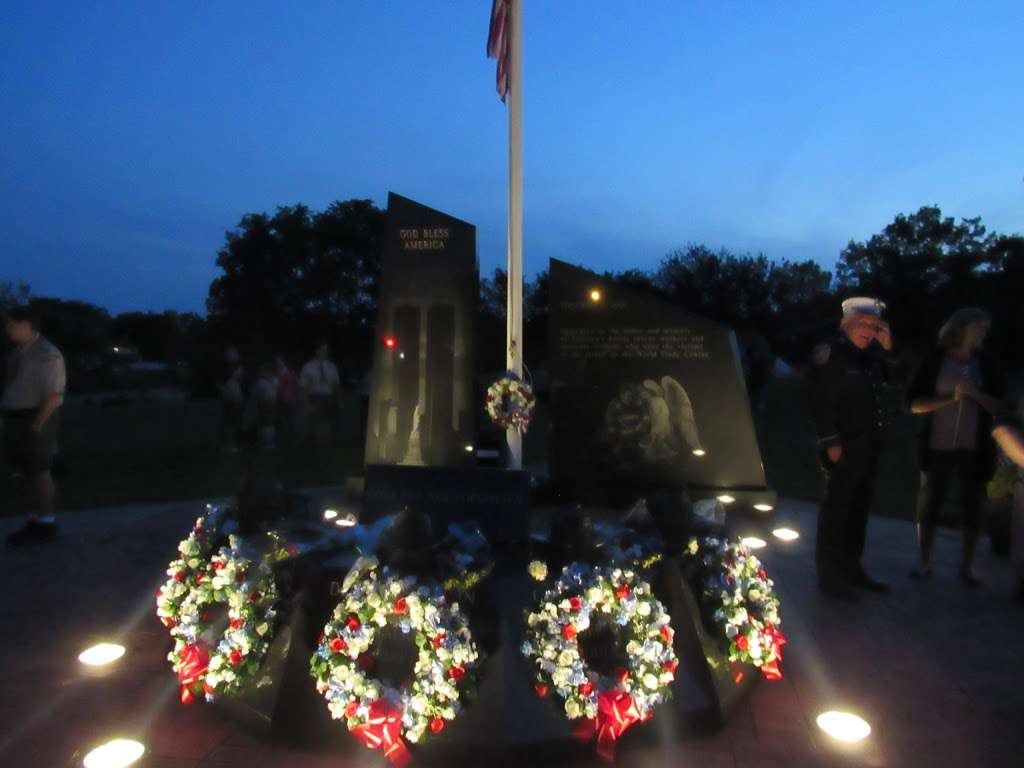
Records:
x=422, y=406
x=645, y=397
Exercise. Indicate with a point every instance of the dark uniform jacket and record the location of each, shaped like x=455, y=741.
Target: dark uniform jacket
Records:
x=852, y=391
x=993, y=383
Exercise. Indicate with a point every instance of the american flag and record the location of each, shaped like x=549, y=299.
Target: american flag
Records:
x=497, y=43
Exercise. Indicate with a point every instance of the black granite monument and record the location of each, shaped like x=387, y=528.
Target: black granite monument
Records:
x=422, y=406
x=646, y=397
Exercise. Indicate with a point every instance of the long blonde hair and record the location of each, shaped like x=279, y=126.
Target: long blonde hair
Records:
x=951, y=335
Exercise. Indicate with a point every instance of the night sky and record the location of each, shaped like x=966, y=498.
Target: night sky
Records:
x=134, y=134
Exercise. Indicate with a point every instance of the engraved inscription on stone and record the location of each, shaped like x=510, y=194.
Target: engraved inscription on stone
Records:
x=596, y=343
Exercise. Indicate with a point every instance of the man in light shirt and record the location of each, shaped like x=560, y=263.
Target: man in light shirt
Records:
x=321, y=386
x=33, y=394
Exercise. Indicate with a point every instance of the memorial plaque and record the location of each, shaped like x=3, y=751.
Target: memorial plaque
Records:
x=422, y=407
x=645, y=396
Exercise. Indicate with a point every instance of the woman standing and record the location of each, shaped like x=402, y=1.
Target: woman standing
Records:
x=959, y=390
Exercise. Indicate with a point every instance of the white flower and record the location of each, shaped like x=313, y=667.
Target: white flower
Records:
x=573, y=709
x=650, y=681
x=644, y=609
x=538, y=570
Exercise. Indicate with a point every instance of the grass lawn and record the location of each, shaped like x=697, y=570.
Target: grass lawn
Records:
x=151, y=452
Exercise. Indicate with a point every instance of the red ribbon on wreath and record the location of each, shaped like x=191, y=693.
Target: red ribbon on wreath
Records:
x=383, y=731
x=195, y=659
x=771, y=670
x=616, y=712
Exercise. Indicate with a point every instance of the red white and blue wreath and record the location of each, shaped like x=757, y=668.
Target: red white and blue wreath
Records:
x=509, y=402
x=606, y=705
x=210, y=661
x=380, y=716
x=746, y=608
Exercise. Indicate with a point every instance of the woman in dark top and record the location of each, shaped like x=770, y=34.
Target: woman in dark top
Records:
x=959, y=390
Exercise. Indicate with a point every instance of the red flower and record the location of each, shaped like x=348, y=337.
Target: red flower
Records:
x=586, y=689
x=208, y=689
x=489, y=399
x=622, y=591
x=742, y=643
x=666, y=633
x=204, y=616
x=338, y=645
x=320, y=640
x=351, y=707
x=730, y=578
x=179, y=576
x=575, y=603
x=670, y=666
x=436, y=725
x=568, y=631
x=237, y=623
x=218, y=565
x=438, y=640
x=400, y=607
x=540, y=689
x=199, y=579
x=168, y=621
x=763, y=574
x=235, y=658
x=254, y=597
x=353, y=622
x=240, y=577
x=456, y=673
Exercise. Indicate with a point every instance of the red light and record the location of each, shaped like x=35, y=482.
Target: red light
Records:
x=390, y=342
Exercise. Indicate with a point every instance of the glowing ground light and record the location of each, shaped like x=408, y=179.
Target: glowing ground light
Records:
x=595, y=295
x=99, y=655
x=785, y=534
x=344, y=522
x=763, y=507
x=753, y=542
x=726, y=498
x=844, y=726
x=114, y=754
x=469, y=449
x=330, y=514
x=699, y=452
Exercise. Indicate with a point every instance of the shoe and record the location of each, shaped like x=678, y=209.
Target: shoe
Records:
x=922, y=573
x=970, y=580
x=33, y=532
x=838, y=590
x=860, y=579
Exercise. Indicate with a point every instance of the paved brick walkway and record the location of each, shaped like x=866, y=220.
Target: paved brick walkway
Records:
x=936, y=668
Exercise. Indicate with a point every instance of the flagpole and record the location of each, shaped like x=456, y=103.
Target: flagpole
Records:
x=514, y=323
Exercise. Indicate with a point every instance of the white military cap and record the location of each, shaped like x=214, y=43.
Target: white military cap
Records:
x=863, y=305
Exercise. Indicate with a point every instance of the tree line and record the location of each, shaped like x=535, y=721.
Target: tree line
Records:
x=295, y=277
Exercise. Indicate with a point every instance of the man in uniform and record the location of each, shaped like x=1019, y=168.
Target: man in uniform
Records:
x=33, y=395
x=849, y=381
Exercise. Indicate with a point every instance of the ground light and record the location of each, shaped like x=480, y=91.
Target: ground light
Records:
x=785, y=534
x=726, y=498
x=101, y=655
x=763, y=507
x=114, y=754
x=844, y=726
x=345, y=522
x=753, y=542
x=469, y=449
x=698, y=452
x=330, y=514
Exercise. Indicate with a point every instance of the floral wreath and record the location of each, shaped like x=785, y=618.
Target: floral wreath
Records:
x=205, y=663
x=380, y=716
x=509, y=402
x=745, y=606
x=609, y=705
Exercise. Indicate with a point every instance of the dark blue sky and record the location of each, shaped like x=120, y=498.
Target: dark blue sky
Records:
x=135, y=133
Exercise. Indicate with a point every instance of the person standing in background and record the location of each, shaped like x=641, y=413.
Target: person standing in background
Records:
x=288, y=397
x=267, y=407
x=33, y=394
x=849, y=380
x=959, y=390
x=321, y=387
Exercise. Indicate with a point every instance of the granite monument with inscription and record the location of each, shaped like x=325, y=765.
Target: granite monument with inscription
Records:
x=422, y=407
x=646, y=397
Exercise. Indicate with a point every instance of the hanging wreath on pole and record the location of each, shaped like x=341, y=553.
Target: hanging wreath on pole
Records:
x=509, y=402
x=607, y=705
x=380, y=716
x=736, y=591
